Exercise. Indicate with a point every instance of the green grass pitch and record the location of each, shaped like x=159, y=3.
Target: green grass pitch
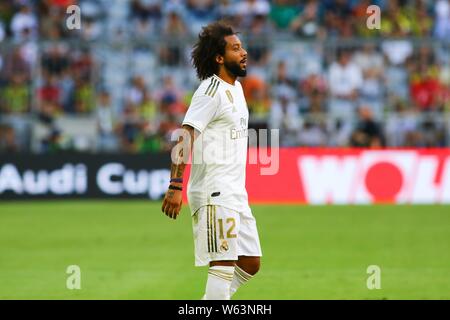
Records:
x=130, y=250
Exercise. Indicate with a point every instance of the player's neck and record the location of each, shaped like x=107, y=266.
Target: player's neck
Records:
x=226, y=76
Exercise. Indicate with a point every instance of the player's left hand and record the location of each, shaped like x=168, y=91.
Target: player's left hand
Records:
x=172, y=202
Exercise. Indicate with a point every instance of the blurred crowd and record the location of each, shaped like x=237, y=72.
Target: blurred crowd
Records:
x=316, y=71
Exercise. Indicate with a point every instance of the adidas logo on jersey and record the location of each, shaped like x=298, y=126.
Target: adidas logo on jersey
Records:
x=212, y=88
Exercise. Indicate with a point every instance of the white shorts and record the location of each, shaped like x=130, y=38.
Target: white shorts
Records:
x=224, y=234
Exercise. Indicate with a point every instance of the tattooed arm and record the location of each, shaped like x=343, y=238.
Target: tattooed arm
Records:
x=173, y=199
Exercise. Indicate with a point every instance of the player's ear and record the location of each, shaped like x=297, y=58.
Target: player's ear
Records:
x=219, y=59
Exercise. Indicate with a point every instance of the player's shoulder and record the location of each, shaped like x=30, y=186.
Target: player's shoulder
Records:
x=209, y=87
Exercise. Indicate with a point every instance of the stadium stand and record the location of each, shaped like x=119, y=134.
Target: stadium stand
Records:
x=124, y=80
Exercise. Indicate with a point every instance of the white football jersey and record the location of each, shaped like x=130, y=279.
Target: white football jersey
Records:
x=218, y=110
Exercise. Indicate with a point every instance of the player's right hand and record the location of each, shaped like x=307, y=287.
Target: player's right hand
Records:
x=172, y=202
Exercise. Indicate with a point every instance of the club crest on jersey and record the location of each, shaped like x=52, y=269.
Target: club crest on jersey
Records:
x=224, y=245
x=230, y=97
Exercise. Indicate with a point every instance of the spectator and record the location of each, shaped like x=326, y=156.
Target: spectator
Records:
x=15, y=64
x=282, y=81
x=372, y=67
x=22, y=21
x=285, y=117
x=8, y=141
x=313, y=134
x=55, y=142
x=2, y=31
x=421, y=23
x=49, y=97
x=84, y=96
x=395, y=21
x=135, y=94
x=171, y=98
x=66, y=86
x=166, y=127
x=148, y=108
x=338, y=18
x=143, y=29
x=314, y=89
x=255, y=90
x=369, y=59
x=345, y=80
x=425, y=89
x=147, y=12
x=283, y=12
x=199, y=13
x=174, y=25
x=368, y=132
x=258, y=47
x=340, y=132
x=372, y=94
x=149, y=141
x=92, y=30
x=433, y=134
x=316, y=103
x=227, y=11
x=171, y=52
x=6, y=15
x=50, y=20
x=442, y=23
x=92, y=15
x=29, y=49
x=16, y=96
x=359, y=14
x=307, y=23
x=55, y=59
x=247, y=10
x=82, y=64
x=332, y=24
x=129, y=128
x=397, y=50
x=106, y=124
x=402, y=127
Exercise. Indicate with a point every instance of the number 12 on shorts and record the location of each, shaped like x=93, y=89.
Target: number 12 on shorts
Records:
x=231, y=222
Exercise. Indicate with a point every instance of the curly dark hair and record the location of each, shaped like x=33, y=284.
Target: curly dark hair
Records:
x=210, y=43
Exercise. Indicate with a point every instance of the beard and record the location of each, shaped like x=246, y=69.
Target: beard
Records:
x=235, y=69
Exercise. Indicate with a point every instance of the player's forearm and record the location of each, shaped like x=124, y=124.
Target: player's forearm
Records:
x=177, y=170
x=182, y=152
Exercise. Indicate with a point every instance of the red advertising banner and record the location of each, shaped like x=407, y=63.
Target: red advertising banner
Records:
x=286, y=175
x=350, y=176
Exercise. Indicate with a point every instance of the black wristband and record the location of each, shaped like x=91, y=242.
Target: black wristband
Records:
x=179, y=180
x=171, y=187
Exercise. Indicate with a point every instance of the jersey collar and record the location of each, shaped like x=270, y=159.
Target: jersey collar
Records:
x=223, y=81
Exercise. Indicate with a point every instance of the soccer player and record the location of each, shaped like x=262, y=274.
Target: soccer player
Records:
x=225, y=233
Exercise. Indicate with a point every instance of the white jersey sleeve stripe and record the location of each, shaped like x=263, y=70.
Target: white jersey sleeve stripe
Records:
x=201, y=111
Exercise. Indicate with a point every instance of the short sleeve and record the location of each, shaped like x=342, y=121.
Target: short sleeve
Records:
x=201, y=112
